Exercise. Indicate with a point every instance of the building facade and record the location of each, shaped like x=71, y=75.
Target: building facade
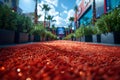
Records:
x=1, y=1
x=88, y=10
x=13, y=4
x=60, y=32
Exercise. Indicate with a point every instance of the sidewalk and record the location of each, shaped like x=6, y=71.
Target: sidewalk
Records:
x=107, y=44
x=8, y=45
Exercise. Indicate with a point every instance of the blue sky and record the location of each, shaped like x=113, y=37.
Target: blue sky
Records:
x=60, y=9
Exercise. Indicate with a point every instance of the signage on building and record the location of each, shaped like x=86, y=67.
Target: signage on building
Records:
x=79, y=10
x=60, y=31
x=86, y=2
x=84, y=5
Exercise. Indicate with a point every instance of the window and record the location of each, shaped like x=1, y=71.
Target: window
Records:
x=6, y=1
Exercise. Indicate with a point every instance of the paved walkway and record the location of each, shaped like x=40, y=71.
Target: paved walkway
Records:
x=60, y=60
x=2, y=46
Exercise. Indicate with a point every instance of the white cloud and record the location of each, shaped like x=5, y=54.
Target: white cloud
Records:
x=60, y=22
x=70, y=14
x=78, y=2
x=52, y=11
x=52, y=2
x=63, y=6
x=27, y=1
x=65, y=12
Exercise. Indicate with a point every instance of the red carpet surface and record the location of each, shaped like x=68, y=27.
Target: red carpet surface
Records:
x=60, y=60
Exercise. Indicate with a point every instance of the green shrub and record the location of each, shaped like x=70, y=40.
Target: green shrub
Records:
x=68, y=36
x=88, y=30
x=80, y=31
x=12, y=21
x=7, y=18
x=109, y=22
x=40, y=30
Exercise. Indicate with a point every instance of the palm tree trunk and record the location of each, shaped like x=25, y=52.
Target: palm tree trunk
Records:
x=36, y=16
x=45, y=20
x=94, y=12
x=49, y=23
x=76, y=20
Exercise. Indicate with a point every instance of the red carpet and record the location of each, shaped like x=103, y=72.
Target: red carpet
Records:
x=60, y=60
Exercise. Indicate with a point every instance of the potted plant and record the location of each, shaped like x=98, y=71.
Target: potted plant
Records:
x=109, y=27
x=88, y=31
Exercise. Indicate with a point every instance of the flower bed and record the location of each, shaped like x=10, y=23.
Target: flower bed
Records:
x=60, y=60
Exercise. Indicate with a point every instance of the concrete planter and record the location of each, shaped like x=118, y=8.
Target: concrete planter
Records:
x=117, y=37
x=21, y=37
x=107, y=38
x=88, y=38
x=82, y=39
x=6, y=37
x=31, y=38
x=112, y=38
x=96, y=38
x=77, y=39
x=37, y=38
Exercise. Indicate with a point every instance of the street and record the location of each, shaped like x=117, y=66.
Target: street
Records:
x=60, y=60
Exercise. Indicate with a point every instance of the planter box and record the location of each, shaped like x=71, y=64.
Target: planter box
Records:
x=96, y=38
x=113, y=38
x=117, y=37
x=88, y=38
x=37, y=38
x=82, y=39
x=46, y=38
x=31, y=38
x=107, y=38
x=6, y=37
x=77, y=39
x=21, y=37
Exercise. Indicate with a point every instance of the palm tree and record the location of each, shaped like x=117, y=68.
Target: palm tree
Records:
x=50, y=19
x=35, y=13
x=45, y=8
x=71, y=19
x=67, y=31
x=53, y=28
x=94, y=12
x=76, y=10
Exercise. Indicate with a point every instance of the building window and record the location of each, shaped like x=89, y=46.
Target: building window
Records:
x=7, y=1
x=111, y=4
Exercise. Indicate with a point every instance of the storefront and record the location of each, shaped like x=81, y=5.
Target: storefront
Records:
x=86, y=18
x=1, y=1
x=111, y=4
x=84, y=14
x=85, y=10
x=60, y=32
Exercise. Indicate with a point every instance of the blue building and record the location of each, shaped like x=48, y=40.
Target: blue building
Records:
x=1, y=1
x=13, y=4
x=86, y=11
x=60, y=31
